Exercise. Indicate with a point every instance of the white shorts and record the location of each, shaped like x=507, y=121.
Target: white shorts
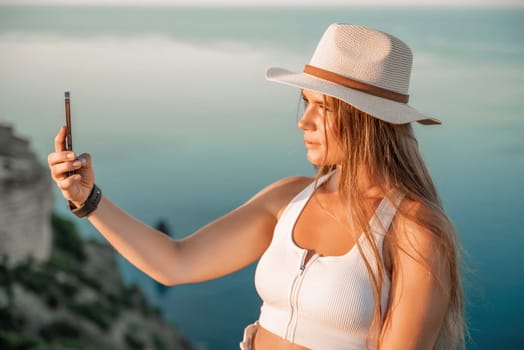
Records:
x=249, y=334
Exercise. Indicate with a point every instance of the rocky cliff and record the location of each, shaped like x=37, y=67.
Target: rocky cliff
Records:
x=26, y=200
x=58, y=290
x=77, y=300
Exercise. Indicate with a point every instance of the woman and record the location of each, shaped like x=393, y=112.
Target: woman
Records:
x=361, y=257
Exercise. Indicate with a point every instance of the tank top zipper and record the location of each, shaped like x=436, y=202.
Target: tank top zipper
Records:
x=294, y=294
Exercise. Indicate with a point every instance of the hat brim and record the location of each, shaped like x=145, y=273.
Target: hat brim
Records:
x=378, y=107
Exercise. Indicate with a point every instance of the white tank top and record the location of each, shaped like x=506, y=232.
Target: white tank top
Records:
x=328, y=302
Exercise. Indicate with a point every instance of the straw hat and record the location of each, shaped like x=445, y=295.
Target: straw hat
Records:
x=364, y=67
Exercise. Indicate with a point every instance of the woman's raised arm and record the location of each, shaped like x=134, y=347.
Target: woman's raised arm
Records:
x=221, y=247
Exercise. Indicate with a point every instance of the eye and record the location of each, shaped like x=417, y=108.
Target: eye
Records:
x=327, y=106
x=304, y=101
x=325, y=109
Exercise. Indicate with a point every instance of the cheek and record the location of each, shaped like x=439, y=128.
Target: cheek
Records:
x=330, y=124
x=335, y=150
x=332, y=135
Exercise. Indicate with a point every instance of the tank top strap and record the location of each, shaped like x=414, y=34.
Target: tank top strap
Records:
x=384, y=214
x=380, y=223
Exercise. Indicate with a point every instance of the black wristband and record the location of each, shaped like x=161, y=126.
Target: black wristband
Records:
x=89, y=205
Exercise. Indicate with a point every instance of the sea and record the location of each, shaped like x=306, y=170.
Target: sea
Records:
x=173, y=105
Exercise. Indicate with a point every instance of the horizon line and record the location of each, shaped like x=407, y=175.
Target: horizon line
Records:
x=275, y=5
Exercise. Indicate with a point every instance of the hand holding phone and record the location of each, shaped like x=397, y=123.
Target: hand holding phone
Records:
x=72, y=173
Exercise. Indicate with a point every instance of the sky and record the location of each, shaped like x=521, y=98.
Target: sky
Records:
x=273, y=2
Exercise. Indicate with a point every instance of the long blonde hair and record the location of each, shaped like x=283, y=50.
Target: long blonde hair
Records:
x=392, y=158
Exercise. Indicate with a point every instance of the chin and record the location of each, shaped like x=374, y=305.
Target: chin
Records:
x=318, y=158
x=316, y=162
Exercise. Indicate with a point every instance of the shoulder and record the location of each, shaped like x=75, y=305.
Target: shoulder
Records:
x=419, y=236
x=275, y=196
x=409, y=223
x=289, y=185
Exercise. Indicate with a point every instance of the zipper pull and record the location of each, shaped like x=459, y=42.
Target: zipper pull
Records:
x=309, y=252
x=303, y=261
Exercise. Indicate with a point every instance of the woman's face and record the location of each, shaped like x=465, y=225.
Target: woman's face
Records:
x=320, y=134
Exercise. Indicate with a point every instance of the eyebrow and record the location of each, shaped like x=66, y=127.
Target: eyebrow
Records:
x=320, y=102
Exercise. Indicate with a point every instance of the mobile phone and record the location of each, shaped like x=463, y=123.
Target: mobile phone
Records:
x=69, y=137
x=69, y=134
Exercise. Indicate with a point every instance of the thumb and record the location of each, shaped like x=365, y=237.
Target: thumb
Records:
x=85, y=158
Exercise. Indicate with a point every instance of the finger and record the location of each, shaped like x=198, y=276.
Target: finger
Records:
x=61, y=171
x=60, y=139
x=60, y=157
x=85, y=158
x=67, y=183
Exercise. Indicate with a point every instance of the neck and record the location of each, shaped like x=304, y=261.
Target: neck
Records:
x=368, y=186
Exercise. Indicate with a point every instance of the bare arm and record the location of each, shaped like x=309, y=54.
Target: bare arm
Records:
x=420, y=288
x=223, y=246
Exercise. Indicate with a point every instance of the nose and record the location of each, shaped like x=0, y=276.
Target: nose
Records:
x=306, y=122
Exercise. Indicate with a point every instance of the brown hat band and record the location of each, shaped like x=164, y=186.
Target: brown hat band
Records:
x=354, y=84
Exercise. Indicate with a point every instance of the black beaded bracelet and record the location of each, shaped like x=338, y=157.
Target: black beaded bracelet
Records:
x=89, y=205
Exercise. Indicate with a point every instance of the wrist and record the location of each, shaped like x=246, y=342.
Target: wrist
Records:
x=89, y=206
x=75, y=204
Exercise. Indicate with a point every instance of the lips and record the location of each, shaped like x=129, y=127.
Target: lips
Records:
x=310, y=143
